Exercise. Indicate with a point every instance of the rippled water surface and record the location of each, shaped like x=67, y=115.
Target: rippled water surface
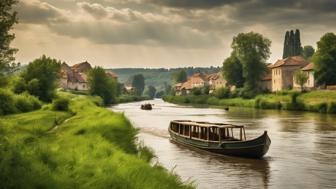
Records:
x=302, y=153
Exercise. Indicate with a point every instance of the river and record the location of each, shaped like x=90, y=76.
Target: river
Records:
x=302, y=153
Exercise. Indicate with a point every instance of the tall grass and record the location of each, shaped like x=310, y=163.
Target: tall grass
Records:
x=93, y=148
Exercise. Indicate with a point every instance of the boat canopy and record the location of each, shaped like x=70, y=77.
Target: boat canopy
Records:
x=206, y=124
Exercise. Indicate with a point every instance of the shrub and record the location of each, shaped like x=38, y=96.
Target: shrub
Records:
x=222, y=93
x=196, y=91
x=25, y=102
x=7, y=102
x=19, y=85
x=322, y=107
x=332, y=107
x=205, y=90
x=60, y=104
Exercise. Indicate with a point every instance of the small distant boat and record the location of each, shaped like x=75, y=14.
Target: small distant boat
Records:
x=146, y=107
x=218, y=138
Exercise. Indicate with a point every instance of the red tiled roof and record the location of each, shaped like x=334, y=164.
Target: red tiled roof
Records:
x=309, y=67
x=290, y=61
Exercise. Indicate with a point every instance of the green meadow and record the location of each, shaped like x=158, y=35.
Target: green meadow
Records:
x=85, y=147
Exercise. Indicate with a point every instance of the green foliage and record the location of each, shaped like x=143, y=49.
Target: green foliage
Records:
x=233, y=71
x=19, y=85
x=205, y=90
x=102, y=85
x=138, y=81
x=41, y=77
x=61, y=104
x=252, y=50
x=196, y=91
x=181, y=76
x=160, y=94
x=325, y=60
x=332, y=107
x=150, y=91
x=222, y=92
x=308, y=51
x=131, y=98
x=300, y=78
x=26, y=103
x=7, y=102
x=292, y=44
x=8, y=17
x=96, y=146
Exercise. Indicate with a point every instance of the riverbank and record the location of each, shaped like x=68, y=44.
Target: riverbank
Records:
x=85, y=147
x=316, y=101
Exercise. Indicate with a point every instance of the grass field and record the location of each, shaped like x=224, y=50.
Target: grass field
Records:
x=87, y=147
x=315, y=101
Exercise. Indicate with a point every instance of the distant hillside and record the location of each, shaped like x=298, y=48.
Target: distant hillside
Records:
x=159, y=76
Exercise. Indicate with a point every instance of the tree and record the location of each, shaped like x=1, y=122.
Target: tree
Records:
x=102, y=85
x=8, y=18
x=308, y=51
x=41, y=77
x=297, y=43
x=252, y=50
x=300, y=78
x=181, y=76
x=150, y=91
x=138, y=82
x=325, y=60
x=233, y=71
x=286, y=46
x=292, y=44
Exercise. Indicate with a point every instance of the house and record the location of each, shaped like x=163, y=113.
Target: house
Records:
x=75, y=77
x=216, y=80
x=310, y=84
x=197, y=80
x=283, y=72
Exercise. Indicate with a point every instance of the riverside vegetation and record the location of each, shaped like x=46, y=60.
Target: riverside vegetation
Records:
x=85, y=146
x=316, y=101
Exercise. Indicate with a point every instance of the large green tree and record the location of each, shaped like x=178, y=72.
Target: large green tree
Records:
x=138, y=82
x=181, y=76
x=300, y=78
x=102, y=85
x=8, y=18
x=308, y=51
x=41, y=77
x=325, y=60
x=252, y=50
x=233, y=71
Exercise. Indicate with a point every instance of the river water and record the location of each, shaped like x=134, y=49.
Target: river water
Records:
x=302, y=153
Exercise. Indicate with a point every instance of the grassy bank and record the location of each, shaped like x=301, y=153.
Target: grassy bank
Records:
x=131, y=98
x=316, y=101
x=86, y=147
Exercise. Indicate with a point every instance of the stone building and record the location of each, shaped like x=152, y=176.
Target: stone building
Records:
x=283, y=72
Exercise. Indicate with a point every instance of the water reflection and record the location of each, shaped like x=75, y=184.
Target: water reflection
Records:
x=302, y=153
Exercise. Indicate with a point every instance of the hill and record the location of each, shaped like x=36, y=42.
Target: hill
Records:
x=158, y=77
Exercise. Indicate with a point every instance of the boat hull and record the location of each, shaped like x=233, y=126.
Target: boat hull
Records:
x=255, y=148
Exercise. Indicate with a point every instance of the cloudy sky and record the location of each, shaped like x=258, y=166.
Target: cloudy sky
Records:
x=161, y=33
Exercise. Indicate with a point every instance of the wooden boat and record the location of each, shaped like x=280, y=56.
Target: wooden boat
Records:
x=218, y=138
x=146, y=107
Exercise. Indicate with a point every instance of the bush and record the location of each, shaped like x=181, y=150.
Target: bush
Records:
x=196, y=91
x=332, y=108
x=222, y=93
x=322, y=107
x=26, y=103
x=19, y=85
x=7, y=102
x=60, y=104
